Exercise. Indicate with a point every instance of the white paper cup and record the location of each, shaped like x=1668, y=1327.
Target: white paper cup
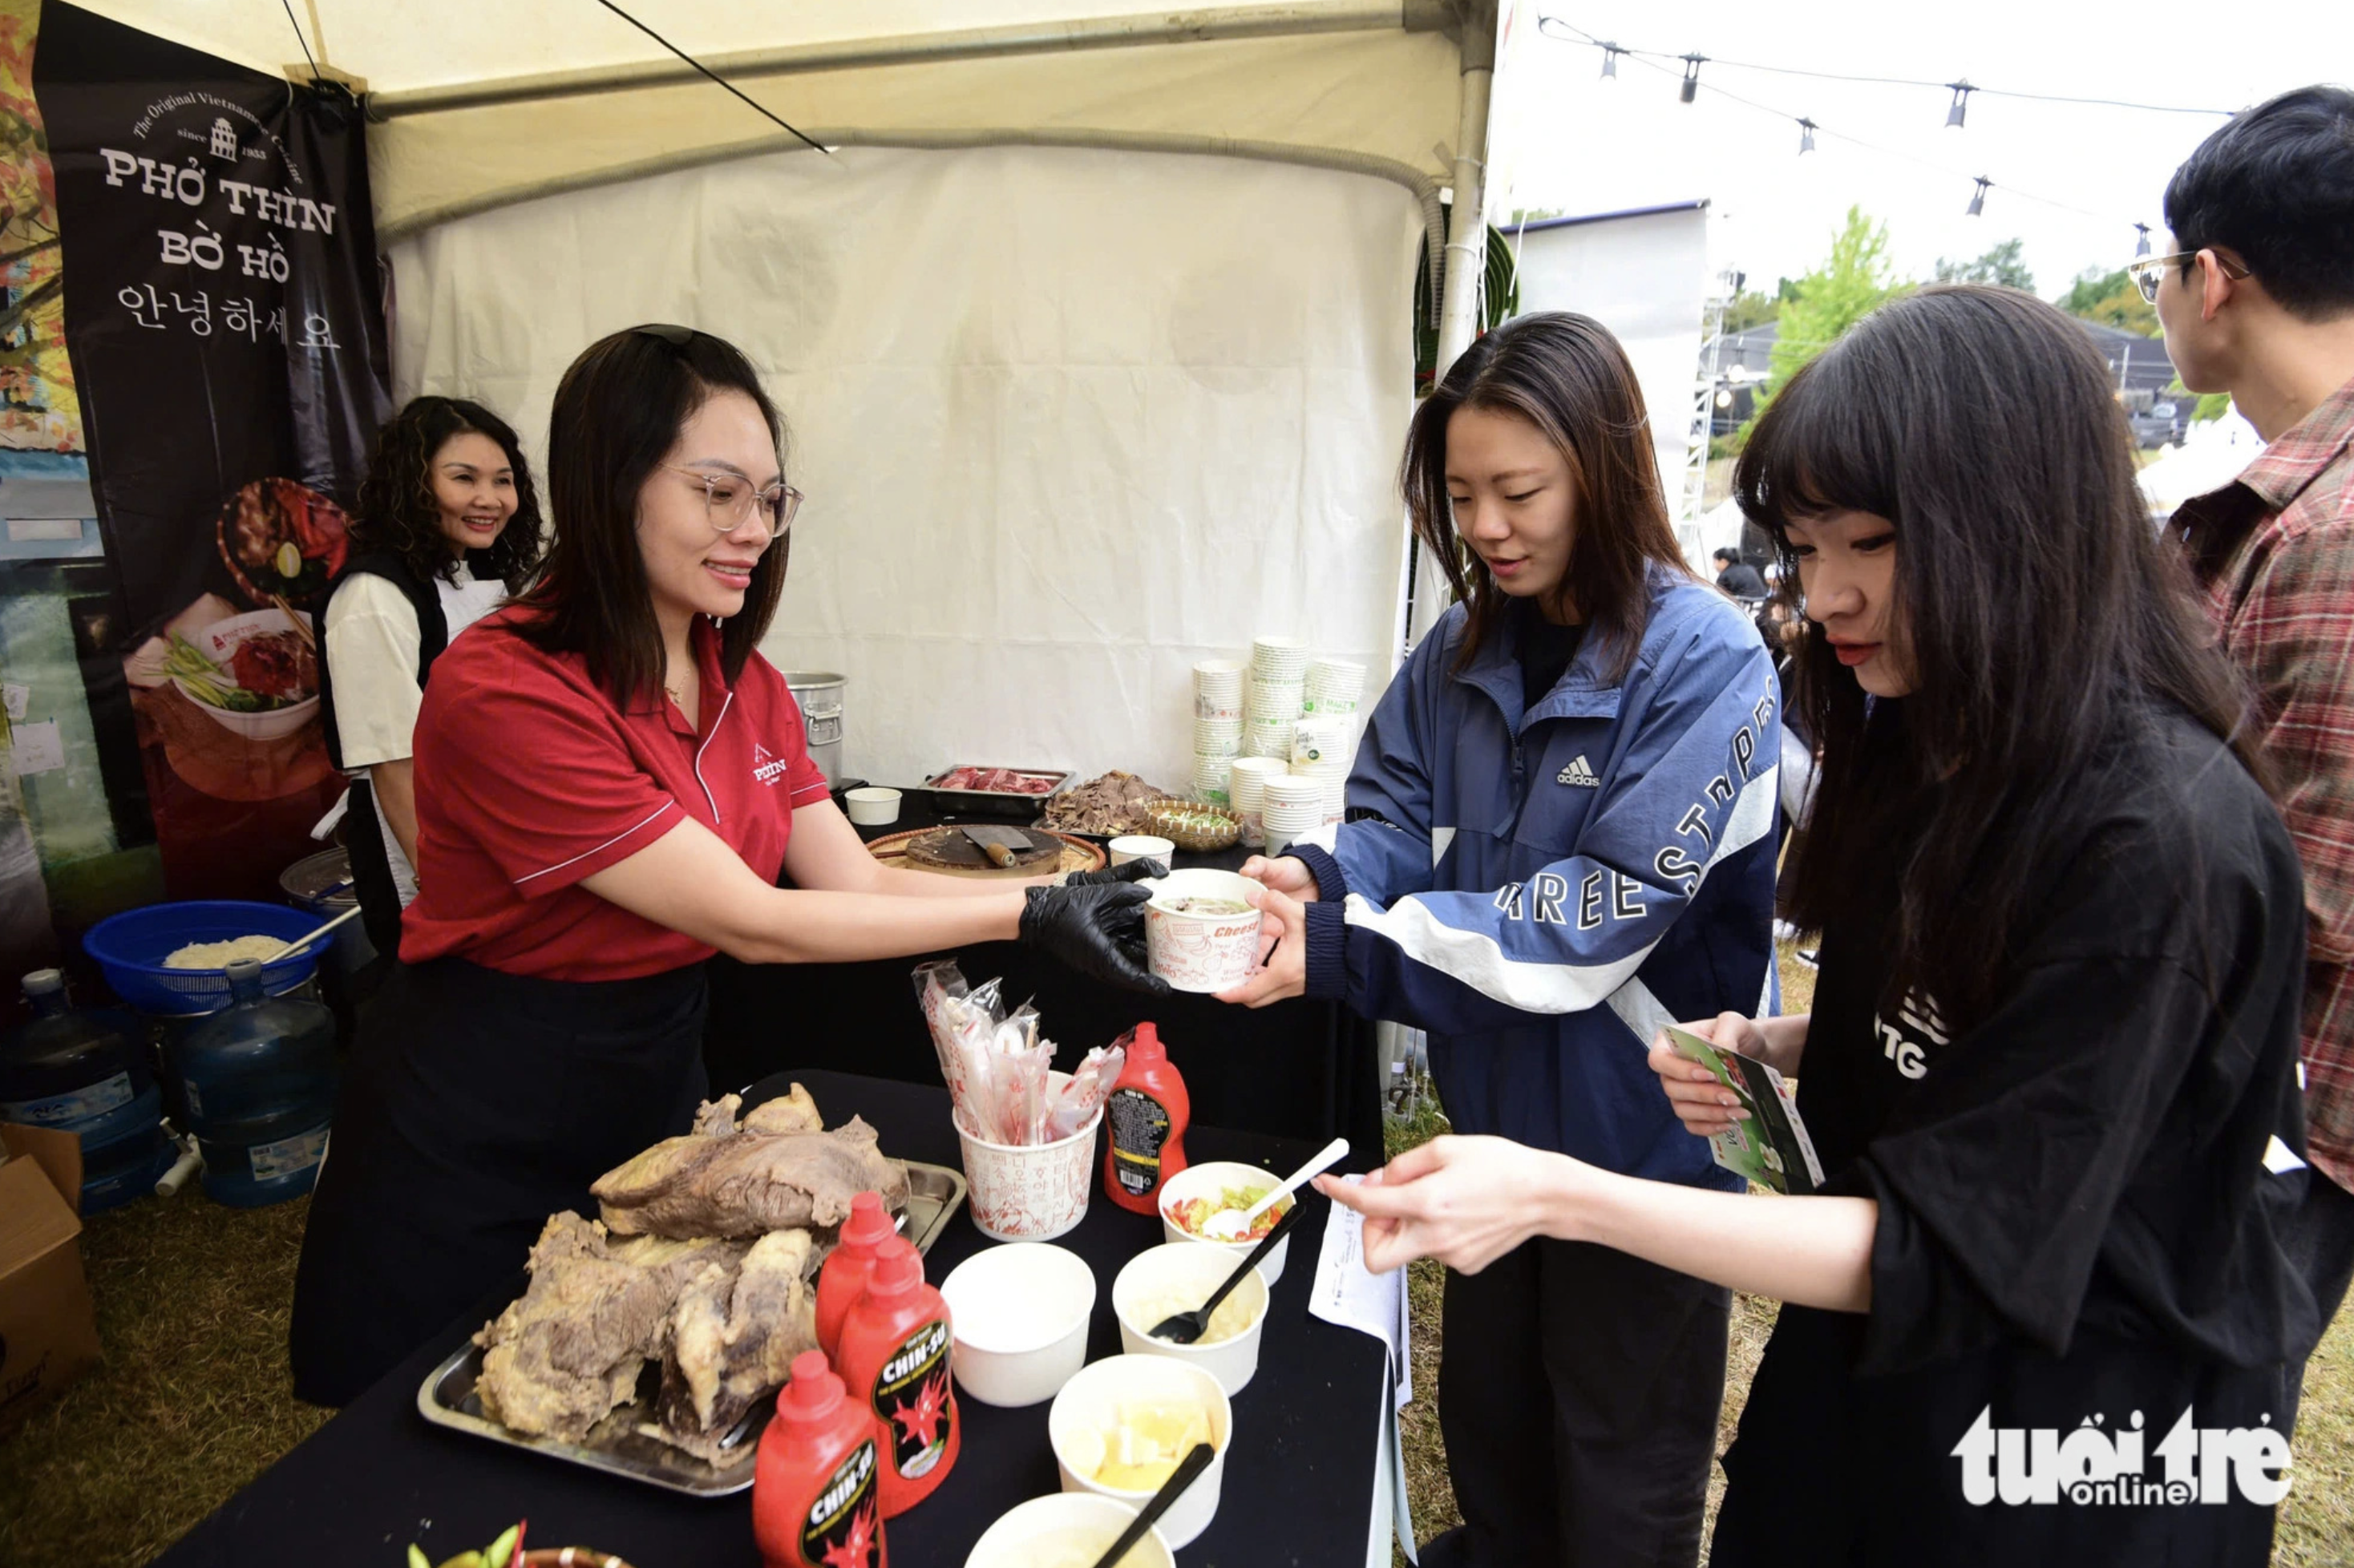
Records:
x=1292, y=789
x=1139, y=846
x=1062, y=1519
x=1328, y=742
x=1218, y=674
x=872, y=806
x=1089, y=1405
x=1191, y=1272
x=1019, y=1313
x=1200, y=953
x=1029, y=1193
x=1274, y=699
x=1279, y=658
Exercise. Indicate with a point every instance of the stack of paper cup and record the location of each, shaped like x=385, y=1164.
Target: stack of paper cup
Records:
x=1278, y=683
x=1249, y=792
x=1210, y=779
x=1333, y=686
x=1291, y=804
x=1322, y=748
x=1218, y=690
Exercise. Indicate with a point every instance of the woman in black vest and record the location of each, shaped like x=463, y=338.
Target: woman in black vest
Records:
x=447, y=526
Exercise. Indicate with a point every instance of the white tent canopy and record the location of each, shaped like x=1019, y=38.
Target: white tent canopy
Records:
x=1085, y=383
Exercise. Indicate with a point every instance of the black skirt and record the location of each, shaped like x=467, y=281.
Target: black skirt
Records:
x=476, y=1104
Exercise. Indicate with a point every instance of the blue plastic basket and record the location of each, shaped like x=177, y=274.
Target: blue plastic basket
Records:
x=131, y=948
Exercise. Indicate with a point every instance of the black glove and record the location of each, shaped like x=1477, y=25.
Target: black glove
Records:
x=1134, y=871
x=1098, y=929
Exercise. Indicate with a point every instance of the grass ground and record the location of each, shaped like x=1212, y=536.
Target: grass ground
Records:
x=193, y=1400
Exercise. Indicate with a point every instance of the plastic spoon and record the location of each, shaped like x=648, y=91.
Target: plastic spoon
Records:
x=1184, y=1327
x=1225, y=1225
x=1189, y=1469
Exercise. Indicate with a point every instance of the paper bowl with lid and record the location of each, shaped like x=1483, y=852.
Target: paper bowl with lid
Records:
x=1067, y=1529
x=1178, y=1277
x=1201, y=931
x=1156, y=1399
x=1208, y=1182
x=1019, y=1316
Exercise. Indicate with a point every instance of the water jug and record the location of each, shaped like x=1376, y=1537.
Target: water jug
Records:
x=84, y=1071
x=258, y=1081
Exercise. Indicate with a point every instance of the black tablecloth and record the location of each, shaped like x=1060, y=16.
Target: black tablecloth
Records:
x=1298, y=1069
x=1299, y=1476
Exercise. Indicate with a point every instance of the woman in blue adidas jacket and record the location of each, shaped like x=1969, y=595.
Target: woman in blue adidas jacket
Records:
x=1561, y=837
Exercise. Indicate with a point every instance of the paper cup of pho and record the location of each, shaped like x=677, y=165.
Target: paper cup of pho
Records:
x=1200, y=932
x=1191, y=1197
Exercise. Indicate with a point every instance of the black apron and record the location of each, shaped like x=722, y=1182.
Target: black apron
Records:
x=476, y=1104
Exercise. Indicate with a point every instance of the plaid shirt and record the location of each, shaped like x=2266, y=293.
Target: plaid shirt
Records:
x=2275, y=549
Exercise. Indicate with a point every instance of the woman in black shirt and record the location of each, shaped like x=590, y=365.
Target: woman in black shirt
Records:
x=2037, y=1313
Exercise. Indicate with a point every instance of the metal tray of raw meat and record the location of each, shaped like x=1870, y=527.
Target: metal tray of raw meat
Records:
x=1010, y=804
x=623, y=1444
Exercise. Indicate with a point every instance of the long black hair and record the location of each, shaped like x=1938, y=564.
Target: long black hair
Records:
x=617, y=412
x=2045, y=616
x=1568, y=377
x=398, y=514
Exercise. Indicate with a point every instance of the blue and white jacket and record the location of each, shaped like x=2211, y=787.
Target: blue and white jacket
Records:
x=1542, y=890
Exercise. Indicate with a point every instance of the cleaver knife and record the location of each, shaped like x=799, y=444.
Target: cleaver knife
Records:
x=999, y=843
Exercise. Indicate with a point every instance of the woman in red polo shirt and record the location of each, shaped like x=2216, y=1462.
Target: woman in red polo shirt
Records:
x=610, y=779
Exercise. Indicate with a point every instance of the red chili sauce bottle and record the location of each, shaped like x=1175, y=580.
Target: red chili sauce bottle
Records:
x=814, y=1499
x=842, y=1280
x=1148, y=1112
x=895, y=1357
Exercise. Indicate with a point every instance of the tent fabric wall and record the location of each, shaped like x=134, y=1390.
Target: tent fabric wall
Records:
x=1348, y=82
x=1645, y=277
x=1068, y=419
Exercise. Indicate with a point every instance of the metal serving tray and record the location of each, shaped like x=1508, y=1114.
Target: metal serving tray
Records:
x=622, y=1444
x=994, y=802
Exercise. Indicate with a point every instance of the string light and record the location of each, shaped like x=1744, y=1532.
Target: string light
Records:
x=1556, y=26
x=1610, y=61
x=1807, y=126
x=1960, y=109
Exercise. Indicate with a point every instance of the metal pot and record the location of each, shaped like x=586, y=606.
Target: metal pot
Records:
x=818, y=693
x=321, y=883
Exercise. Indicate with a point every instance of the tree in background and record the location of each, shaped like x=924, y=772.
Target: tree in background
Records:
x=2001, y=266
x=1856, y=278
x=2110, y=299
x=1750, y=308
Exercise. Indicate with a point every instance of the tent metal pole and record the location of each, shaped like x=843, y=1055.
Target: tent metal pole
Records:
x=1428, y=594
x=971, y=43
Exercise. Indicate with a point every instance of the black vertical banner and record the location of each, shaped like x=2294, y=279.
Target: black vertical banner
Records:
x=225, y=321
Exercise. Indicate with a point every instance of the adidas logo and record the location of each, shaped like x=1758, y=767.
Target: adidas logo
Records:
x=1579, y=774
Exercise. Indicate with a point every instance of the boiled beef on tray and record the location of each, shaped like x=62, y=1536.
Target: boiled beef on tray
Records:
x=748, y=1183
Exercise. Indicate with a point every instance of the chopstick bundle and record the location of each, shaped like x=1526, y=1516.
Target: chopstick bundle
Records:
x=996, y=1063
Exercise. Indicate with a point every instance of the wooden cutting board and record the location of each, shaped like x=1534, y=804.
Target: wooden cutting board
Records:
x=1076, y=854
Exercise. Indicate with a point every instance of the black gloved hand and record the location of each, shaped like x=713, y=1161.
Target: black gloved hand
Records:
x=1134, y=871
x=1098, y=929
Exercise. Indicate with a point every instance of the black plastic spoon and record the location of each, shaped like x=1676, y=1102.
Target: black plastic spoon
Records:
x=1196, y=1460
x=1184, y=1327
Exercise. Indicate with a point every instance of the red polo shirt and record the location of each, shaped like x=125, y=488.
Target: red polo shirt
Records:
x=529, y=779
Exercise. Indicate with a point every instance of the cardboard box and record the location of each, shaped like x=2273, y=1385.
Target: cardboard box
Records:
x=49, y=1330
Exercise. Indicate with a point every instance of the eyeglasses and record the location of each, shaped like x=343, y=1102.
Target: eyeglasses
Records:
x=727, y=502
x=2146, y=270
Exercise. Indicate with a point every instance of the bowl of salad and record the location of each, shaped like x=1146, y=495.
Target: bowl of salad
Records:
x=256, y=674
x=1191, y=1197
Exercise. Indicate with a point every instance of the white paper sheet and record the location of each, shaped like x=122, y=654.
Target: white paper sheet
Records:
x=37, y=748
x=1346, y=1292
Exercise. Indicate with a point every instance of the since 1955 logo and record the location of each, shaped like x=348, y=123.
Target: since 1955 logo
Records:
x=2095, y=1467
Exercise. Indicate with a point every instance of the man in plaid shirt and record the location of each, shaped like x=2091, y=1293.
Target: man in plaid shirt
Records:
x=2257, y=299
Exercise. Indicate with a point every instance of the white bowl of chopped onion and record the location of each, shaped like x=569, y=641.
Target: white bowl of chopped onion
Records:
x=1120, y=1428
x=1067, y=1529
x=1175, y=1277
